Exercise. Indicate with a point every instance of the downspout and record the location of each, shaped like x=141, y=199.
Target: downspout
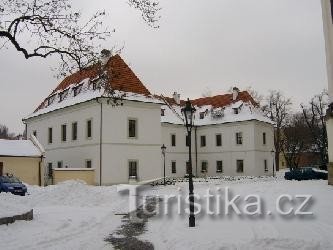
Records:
x=100, y=142
x=40, y=171
x=196, y=151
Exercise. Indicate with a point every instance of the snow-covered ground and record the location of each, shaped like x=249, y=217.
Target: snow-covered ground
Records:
x=72, y=215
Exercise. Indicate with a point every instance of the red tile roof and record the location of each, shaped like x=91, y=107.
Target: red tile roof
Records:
x=216, y=101
x=121, y=77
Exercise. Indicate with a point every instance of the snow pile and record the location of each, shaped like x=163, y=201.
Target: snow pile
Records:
x=9, y=205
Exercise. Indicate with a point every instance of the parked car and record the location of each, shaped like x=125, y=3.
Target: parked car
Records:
x=306, y=174
x=11, y=184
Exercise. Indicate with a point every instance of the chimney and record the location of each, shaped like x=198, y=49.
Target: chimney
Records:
x=235, y=92
x=176, y=97
x=105, y=56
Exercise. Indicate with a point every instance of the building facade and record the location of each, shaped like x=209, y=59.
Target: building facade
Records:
x=327, y=8
x=80, y=126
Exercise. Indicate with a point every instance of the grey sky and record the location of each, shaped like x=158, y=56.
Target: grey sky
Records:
x=215, y=44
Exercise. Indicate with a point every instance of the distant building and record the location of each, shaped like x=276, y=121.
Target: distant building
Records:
x=327, y=8
x=23, y=159
x=81, y=128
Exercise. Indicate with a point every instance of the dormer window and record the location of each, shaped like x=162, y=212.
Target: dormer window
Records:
x=236, y=111
x=162, y=112
x=50, y=100
x=63, y=95
x=96, y=85
x=202, y=115
x=77, y=89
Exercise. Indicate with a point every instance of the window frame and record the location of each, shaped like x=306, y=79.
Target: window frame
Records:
x=173, y=167
x=240, y=141
x=136, y=169
x=173, y=142
x=203, y=142
x=216, y=140
x=61, y=164
x=74, y=125
x=86, y=163
x=237, y=166
x=217, y=166
x=49, y=135
x=265, y=165
x=91, y=128
x=206, y=166
x=63, y=132
x=135, y=128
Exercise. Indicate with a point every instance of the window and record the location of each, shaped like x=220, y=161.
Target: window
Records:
x=187, y=141
x=59, y=164
x=264, y=138
x=132, y=128
x=88, y=164
x=89, y=128
x=240, y=166
x=1, y=168
x=51, y=99
x=218, y=140
x=50, y=137
x=203, y=141
x=77, y=89
x=173, y=140
x=236, y=111
x=204, y=166
x=49, y=169
x=173, y=167
x=74, y=131
x=239, y=138
x=34, y=133
x=187, y=167
x=283, y=163
x=63, y=95
x=202, y=115
x=219, y=166
x=63, y=132
x=162, y=112
x=265, y=166
x=133, y=174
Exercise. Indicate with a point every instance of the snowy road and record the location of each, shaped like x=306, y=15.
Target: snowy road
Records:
x=76, y=216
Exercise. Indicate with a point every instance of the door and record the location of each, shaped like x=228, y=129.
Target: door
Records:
x=1, y=168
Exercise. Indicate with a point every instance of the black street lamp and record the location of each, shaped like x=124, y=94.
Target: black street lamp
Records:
x=273, y=156
x=163, y=148
x=188, y=112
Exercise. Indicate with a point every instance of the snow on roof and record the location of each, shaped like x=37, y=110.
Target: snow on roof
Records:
x=218, y=115
x=87, y=93
x=21, y=148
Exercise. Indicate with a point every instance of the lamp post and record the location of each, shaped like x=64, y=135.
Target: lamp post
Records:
x=273, y=154
x=188, y=112
x=163, y=148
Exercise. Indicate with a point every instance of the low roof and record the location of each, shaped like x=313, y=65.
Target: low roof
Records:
x=19, y=148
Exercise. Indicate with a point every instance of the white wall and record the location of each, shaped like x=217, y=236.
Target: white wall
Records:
x=117, y=148
x=253, y=152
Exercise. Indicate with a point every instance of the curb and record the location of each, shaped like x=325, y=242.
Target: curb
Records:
x=26, y=216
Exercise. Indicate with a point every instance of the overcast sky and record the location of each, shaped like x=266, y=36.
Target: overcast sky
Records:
x=200, y=45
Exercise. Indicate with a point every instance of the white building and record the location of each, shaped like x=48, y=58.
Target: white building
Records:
x=327, y=8
x=80, y=128
x=230, y=137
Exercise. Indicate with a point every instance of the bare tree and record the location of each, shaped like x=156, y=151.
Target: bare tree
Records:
x=4, y=132
x=257, y=97
x=42, y=28
x=314, y=115
x=295, y=139
x=277, y=108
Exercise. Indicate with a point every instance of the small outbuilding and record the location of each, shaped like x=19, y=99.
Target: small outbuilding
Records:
x=24, y=159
